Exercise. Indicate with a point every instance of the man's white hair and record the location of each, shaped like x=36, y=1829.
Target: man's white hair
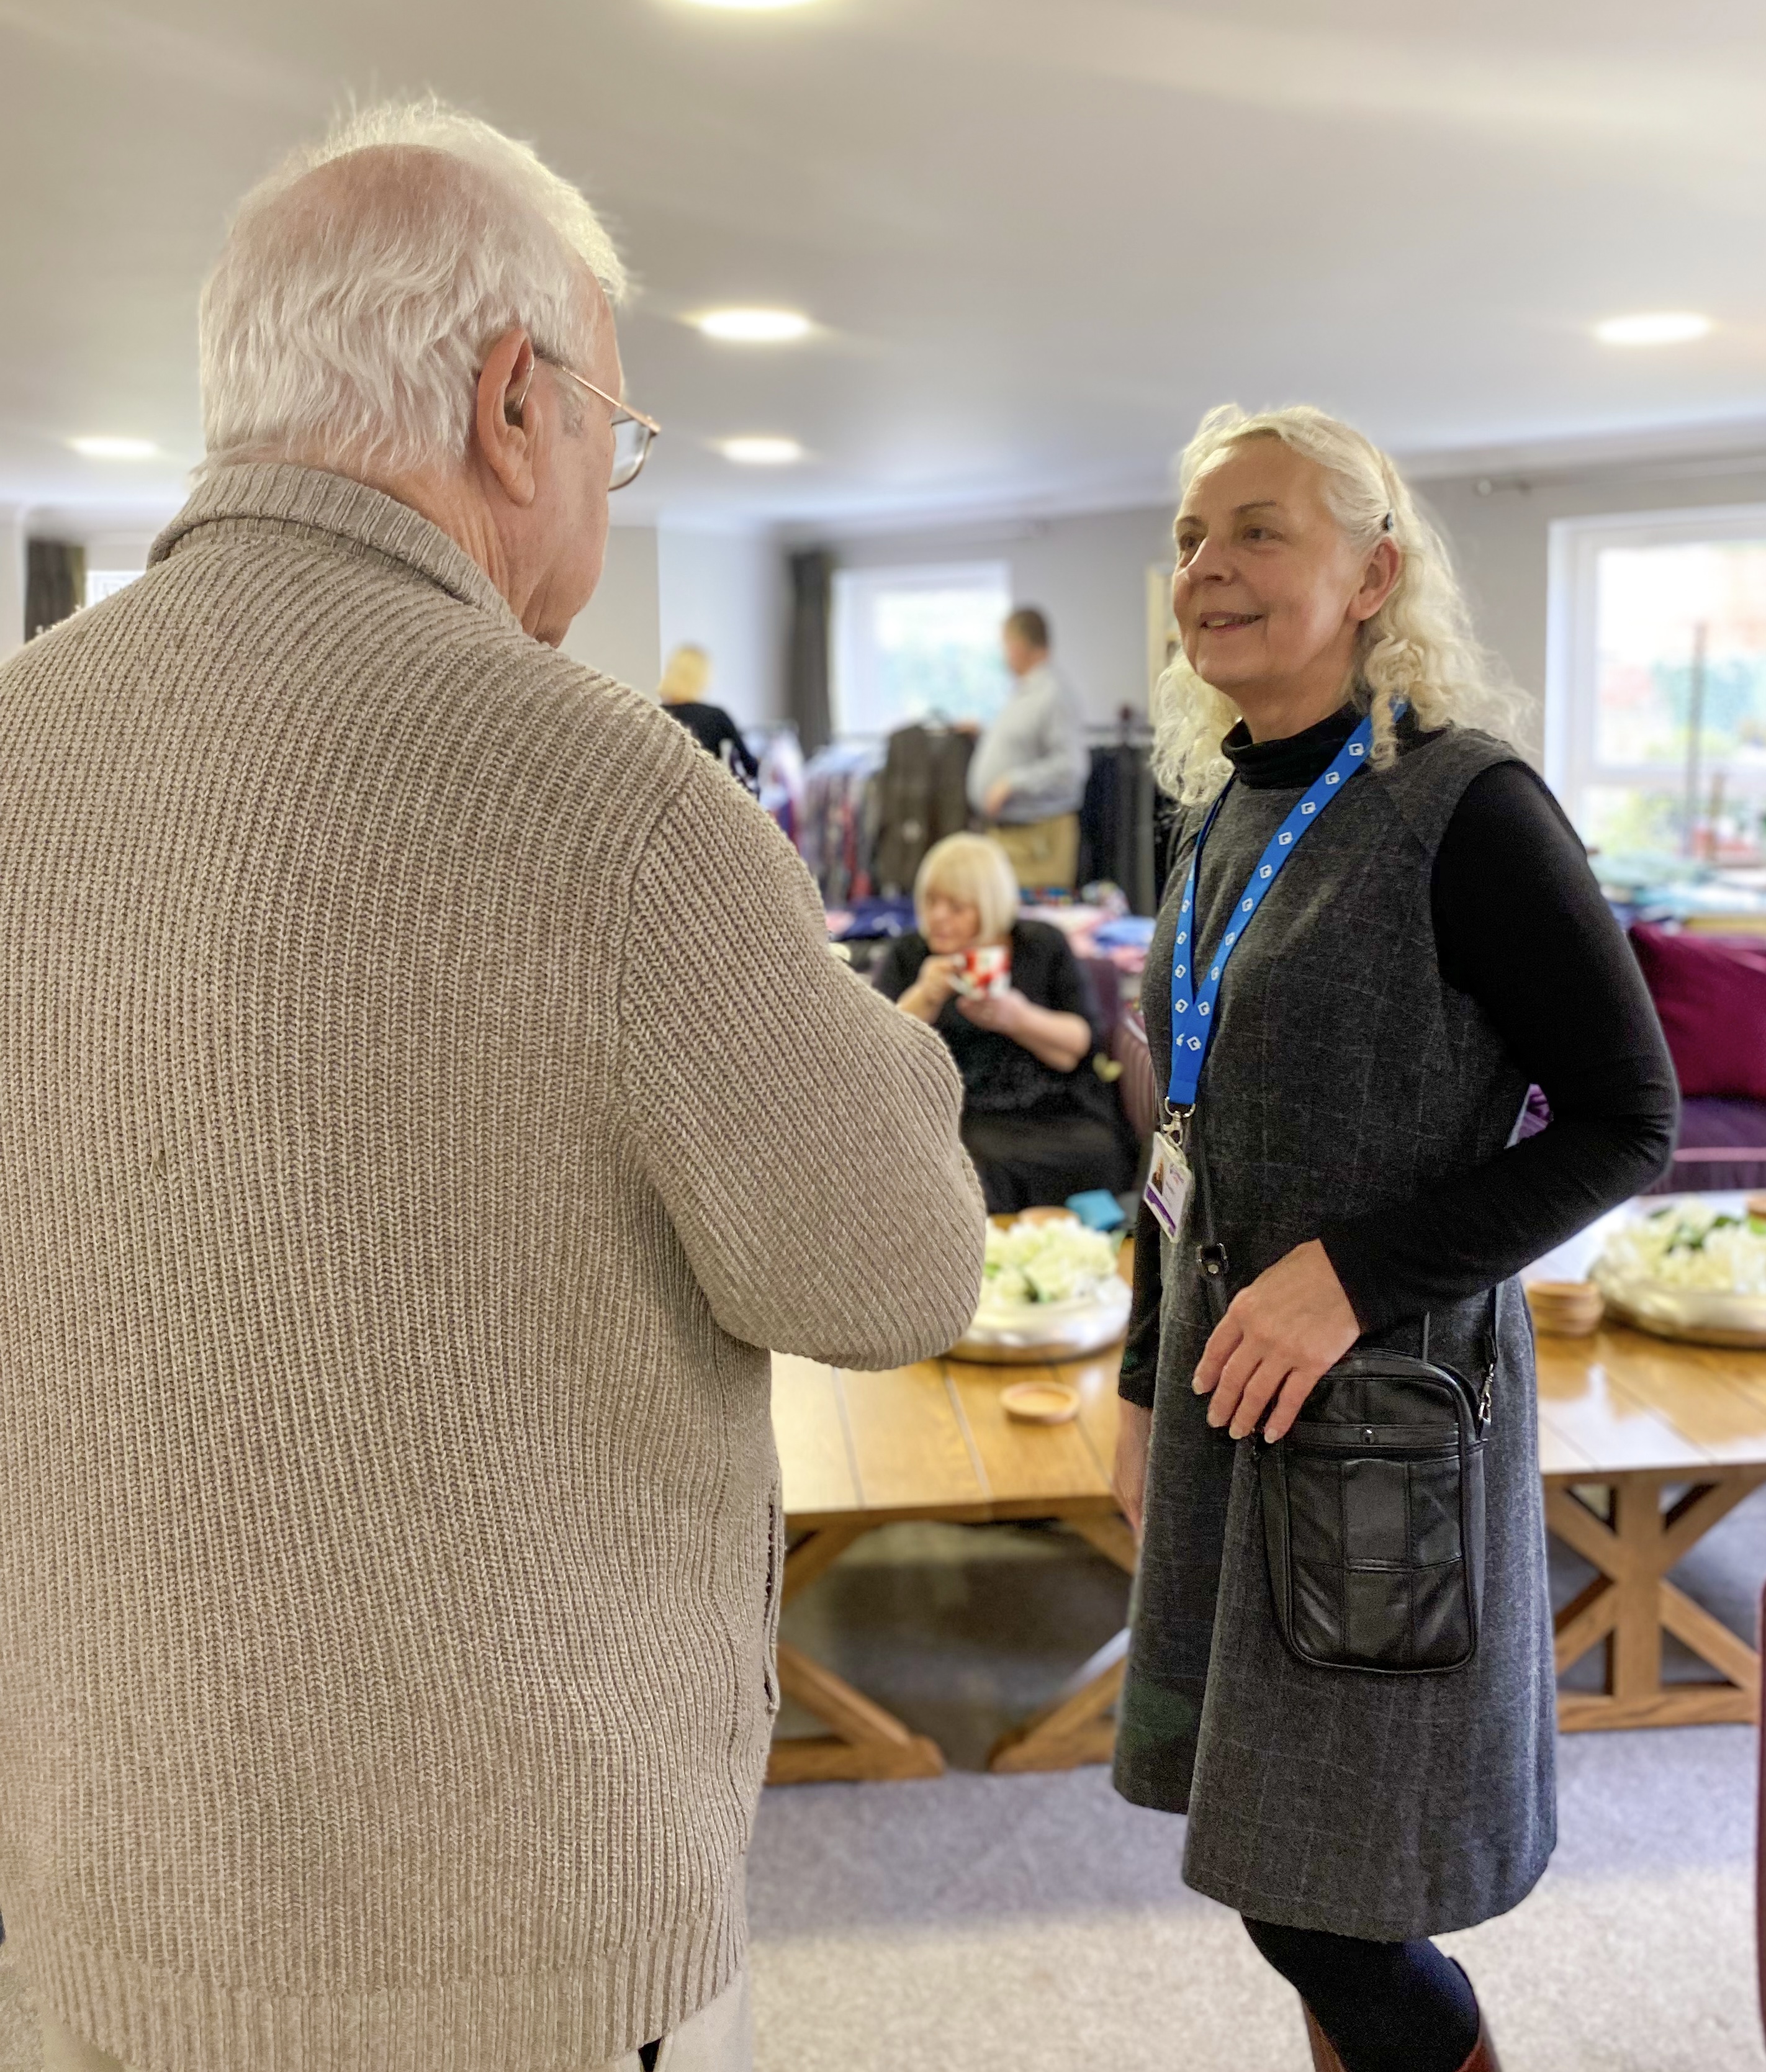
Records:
x=1418, y=649
x=361, y=284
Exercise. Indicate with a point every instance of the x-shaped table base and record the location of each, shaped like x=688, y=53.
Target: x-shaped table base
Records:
x=1630, y=1604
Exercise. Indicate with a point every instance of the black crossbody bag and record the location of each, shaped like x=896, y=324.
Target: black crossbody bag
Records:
x=1373, y=1514
x=1373, y=1506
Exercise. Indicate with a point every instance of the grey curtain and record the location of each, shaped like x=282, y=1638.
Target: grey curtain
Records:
x=806, y=700
x=55, y=583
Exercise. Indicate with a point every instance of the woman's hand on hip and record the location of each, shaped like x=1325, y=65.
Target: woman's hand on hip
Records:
x=1134, y=1429
x=1278, y=1336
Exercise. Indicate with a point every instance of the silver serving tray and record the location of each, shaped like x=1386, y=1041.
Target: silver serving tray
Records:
x=1701, y=1315
x=1040, y=1332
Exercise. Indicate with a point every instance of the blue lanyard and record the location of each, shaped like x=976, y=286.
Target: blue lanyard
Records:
x=1193, y=1007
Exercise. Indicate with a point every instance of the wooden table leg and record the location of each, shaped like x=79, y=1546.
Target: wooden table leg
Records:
x=1631, y=1603
x=866, y=1742
x=1074, y=1728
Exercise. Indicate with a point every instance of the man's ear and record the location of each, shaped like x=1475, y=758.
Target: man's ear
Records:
x=504, y=413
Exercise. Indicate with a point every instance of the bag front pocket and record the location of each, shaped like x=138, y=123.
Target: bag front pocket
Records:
x=1377, y=1558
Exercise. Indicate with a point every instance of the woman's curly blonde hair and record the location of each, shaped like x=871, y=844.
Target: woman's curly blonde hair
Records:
x=1418, y=649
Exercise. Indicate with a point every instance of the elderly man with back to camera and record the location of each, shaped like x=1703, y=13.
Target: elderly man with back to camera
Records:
x=389, y=1489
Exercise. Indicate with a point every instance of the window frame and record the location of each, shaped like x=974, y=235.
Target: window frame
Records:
x=850, y=660
x=1572, y=638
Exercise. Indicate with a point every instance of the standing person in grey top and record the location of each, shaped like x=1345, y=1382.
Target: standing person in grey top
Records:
x=389, y=1511
x=1427, y=931
x=1029, y=773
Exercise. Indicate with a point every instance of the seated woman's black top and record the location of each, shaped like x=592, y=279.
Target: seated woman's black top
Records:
x=1037, y=1137
x=1000, y=1077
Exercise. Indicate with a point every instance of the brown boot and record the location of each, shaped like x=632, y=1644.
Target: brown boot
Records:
x=1325, y=2058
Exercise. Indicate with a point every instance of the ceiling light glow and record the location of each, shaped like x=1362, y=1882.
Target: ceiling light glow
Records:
x=761, y=452
x=1656, y=327
x=749, y=6
x=753, y=326
x=101, y=447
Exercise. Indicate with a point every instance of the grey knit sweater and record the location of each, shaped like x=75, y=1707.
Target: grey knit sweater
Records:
x=426, y=1090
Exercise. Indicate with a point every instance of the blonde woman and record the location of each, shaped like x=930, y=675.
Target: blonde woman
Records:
x=685, y=678
x=1379, y=930
x=1038, y=1122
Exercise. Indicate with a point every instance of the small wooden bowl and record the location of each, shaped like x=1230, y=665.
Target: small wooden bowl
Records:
x=1041, y=1402
x=1565, y=1309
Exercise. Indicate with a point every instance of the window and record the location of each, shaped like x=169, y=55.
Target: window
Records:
x=101, y=583
x=1656, y=702
x=918, y=644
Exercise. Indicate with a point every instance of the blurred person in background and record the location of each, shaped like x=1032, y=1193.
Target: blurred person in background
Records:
x=387, y=1493
x=1028, y=775
x=1038, y=1121
x=685, y=676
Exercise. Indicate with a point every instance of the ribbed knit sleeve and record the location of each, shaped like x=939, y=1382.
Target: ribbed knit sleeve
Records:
x=801, y=1132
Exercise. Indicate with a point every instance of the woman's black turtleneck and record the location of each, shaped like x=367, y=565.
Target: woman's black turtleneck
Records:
x=1521, y=925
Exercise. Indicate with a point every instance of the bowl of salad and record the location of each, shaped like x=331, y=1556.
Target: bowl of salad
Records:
x=1049, y=1291
x=1690, y=1269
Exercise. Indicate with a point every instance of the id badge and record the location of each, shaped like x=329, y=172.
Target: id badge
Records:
x=1167, y=1185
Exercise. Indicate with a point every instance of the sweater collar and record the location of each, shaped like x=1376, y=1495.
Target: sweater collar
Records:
x=278, y=495
x=1273, y=766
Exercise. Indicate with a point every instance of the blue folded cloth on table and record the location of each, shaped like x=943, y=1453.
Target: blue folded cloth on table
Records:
x=1132, y=932
x=1098, y=1210
x=873, y=918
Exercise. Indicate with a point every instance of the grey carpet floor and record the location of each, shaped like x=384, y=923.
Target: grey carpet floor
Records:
x=1037, y=1924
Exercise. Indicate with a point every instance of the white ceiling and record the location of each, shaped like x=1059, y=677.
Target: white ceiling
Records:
x=1043, y=235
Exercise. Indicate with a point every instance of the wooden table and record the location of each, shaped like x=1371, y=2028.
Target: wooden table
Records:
x=1644, y=1446
x=931, y=1441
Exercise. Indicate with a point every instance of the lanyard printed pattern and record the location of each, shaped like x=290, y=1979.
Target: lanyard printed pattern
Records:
x=1192, y=1006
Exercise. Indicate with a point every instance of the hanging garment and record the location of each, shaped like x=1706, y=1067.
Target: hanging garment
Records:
x=925, y=798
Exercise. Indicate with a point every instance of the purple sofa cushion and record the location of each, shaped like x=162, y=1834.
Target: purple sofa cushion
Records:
x=1711, y=993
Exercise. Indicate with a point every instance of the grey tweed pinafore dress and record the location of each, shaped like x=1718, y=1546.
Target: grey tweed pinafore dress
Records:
x=1345, y=1074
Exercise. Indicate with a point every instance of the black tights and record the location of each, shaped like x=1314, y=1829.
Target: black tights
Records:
x=1386, y=2007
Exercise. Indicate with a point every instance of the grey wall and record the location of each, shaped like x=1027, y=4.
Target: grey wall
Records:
x=727, y=593
x=617, y=632
x=1089, y=574
x=12, y=580
x=1500, y=530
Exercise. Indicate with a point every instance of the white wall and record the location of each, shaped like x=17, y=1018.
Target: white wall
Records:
x=729, y=593
x=12, y=580
x=724, y=591
x=1088, y=573
x=618, y=631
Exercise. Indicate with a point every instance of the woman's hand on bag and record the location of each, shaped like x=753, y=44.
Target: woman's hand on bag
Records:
x=1278, y=1336
x=1134, y=1429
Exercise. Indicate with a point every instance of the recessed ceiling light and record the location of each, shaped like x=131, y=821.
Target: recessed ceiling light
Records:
x=761, y=452
x=1658, y=327
x=749, y=6
x=102, y=447
x=754, y=327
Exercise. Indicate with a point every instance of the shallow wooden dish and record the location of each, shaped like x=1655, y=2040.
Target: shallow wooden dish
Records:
x=1565, y=1309
x=1041, y=1402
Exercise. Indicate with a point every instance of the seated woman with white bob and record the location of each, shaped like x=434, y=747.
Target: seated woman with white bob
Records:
x=1038, y=1122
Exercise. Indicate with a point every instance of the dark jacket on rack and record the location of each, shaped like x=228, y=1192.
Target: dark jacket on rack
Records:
x=924, y=799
